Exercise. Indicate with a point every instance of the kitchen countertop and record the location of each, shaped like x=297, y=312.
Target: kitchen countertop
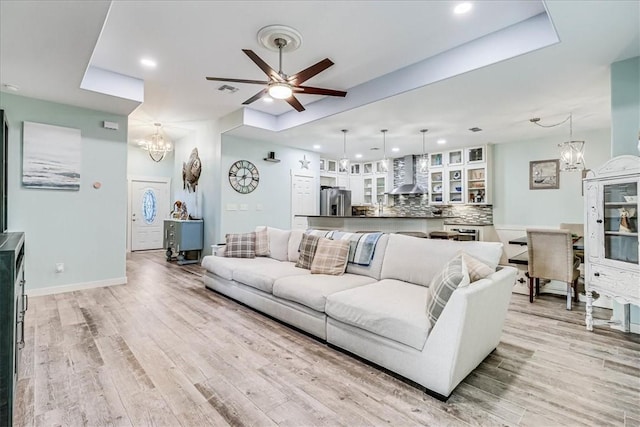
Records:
x=379, y=217
x=472, y=224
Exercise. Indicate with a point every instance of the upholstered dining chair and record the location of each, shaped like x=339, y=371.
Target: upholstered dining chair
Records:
x=551, y=257
x=578, y=230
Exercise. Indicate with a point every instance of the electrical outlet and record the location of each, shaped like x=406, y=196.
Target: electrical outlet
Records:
x=59, y=267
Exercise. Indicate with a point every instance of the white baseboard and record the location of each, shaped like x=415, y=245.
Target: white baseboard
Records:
x=76, y=287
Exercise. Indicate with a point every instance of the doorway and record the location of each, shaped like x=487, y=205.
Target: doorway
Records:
x=304, y=200
x=148, y=208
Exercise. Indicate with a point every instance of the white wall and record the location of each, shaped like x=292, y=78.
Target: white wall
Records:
x=273, y=192
x=85, y=229
x=517, y=206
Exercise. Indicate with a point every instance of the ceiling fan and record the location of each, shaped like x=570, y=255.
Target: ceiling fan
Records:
x=282, y=86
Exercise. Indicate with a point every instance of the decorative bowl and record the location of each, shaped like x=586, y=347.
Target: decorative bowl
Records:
x=456, y=175
x=458, y=188
x=631, y=198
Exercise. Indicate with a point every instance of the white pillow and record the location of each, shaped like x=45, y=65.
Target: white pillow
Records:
x=294, y=245
x=279, y=243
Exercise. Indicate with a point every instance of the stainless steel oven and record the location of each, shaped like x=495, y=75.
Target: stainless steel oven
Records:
x=466, y=234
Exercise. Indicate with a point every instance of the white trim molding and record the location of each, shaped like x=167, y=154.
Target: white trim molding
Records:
x=76, y=287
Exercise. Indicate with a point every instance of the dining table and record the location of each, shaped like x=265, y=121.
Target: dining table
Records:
x=523, y=257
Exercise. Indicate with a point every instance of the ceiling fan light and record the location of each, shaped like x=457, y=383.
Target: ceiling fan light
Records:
x=280, y=91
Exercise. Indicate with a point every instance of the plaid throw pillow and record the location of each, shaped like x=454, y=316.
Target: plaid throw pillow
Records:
x=331, y=257
x=262, y=242
x=453, y=275
x=241, y=245
x=477, y=269
x=308, y=246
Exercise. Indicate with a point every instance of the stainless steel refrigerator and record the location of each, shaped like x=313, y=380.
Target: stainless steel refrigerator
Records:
x=335, y=202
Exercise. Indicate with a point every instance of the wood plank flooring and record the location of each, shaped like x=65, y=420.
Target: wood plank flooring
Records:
x=162, y=350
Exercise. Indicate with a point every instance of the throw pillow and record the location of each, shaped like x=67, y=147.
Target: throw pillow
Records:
x=241, y=245
x=262, y=242
x=453, y=275
x=308, y=246
x=331, y=257
x=476, y=268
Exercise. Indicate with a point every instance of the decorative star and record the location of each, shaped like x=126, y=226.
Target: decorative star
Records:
x=304, y=163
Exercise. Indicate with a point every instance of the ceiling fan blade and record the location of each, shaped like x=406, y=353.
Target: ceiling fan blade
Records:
x=255, y=97
x=318, y=91
x=293, y=101
x=307, y=73
x=263, y=65
x=222, y=79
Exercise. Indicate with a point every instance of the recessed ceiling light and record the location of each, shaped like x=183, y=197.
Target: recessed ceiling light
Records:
x=395, y=149
x=315, y=146
x=267, y=99
x=358, y=156
x=442, y=141
x=462, y=8
x=149, y=63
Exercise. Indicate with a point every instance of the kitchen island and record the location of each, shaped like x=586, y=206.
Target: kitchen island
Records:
x=385, y=223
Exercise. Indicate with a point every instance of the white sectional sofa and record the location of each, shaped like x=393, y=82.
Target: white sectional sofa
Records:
x=378, y=312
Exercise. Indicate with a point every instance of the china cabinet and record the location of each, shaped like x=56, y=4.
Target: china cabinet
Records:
x=435, y=160
x=476, y=154
x=436, y=187
x=367, y=168
x=455, y=157
x=454, y=185
x=611, y=238
x=356, y=168
x=476, y=185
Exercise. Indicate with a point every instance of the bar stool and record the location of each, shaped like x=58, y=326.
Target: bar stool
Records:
x=444, y=235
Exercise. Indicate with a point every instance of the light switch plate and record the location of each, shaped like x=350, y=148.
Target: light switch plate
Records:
x=232, y=207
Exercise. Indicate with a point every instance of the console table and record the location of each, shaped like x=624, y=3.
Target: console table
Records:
x=184, y=237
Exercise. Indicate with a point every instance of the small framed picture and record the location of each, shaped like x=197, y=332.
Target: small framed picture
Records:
x=544, y=174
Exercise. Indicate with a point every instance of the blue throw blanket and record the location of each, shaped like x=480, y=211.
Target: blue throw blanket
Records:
x=362, y=246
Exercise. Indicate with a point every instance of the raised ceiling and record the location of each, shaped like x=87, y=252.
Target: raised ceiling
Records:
x=46, y=46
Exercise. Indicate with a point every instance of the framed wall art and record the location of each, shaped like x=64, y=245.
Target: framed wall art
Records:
x=51, y=157
x=544, y=174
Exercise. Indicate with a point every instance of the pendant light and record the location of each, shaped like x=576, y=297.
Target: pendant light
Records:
x=571, y=152
x=344, y=161
x=157, y=145
x=423, y=163
x=384, y=163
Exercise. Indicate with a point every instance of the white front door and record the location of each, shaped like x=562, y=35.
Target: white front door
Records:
x=149, y=208
x=303, y=200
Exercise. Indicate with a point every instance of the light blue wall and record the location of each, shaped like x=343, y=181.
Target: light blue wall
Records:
x=625, y=107
x=205, y=136
x=86, y=229
x=625, y=125
x=516, y=205
x=140, y=164
x=273, y=192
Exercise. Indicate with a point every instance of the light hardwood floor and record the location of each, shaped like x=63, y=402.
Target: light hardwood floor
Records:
x=163, y=350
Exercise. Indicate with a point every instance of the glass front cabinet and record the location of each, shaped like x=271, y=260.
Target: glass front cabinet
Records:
x=611, y=240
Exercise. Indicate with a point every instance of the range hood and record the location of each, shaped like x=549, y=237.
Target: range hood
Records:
x=409, y=186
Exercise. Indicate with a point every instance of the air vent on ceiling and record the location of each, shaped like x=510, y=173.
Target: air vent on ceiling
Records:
x=374, y=148
x=228, y=89
x=475, y=129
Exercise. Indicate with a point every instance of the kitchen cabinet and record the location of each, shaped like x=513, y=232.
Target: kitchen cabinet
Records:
x=356, y=168
x=455, y=157
x=435, y=160
x=476, y=155
x=454, y=185
x=611, y=237
x=367, y=168
x=375, y=189
x=356, y=185
x=477, y=185
x=436, y=187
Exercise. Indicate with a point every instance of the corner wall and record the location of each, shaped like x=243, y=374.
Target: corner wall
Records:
x=85, y=229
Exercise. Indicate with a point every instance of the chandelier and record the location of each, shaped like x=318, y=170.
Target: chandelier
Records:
x=571, y=152
x=157, y=145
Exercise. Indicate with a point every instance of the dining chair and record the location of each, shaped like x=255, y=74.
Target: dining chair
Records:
x=551, y=257
x=578, y=230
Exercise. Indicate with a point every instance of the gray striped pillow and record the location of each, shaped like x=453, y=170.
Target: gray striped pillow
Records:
x=331, y=257
x=453, y=275
x=241, y=245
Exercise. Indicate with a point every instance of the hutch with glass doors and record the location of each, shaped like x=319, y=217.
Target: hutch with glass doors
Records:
x=611, y=238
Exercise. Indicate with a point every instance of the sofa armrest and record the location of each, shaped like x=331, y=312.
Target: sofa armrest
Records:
x=469, y=327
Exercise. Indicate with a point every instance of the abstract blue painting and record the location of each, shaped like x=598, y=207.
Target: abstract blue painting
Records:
x=51, y=157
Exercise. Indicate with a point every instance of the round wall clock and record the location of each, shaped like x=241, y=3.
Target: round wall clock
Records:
x=244, y=176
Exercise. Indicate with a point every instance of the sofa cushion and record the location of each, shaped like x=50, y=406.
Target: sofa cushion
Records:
x=263, y=276
x=312, y=290
x=373, y=269
x=390, y=308
x=294, y=245
x=308, y=246
x=262, y=242
x=331, y=257
x=240, y=245
x=223, y=267
x=477, y=269
x=278, y=243
x=453, y=275
x=419, y=260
